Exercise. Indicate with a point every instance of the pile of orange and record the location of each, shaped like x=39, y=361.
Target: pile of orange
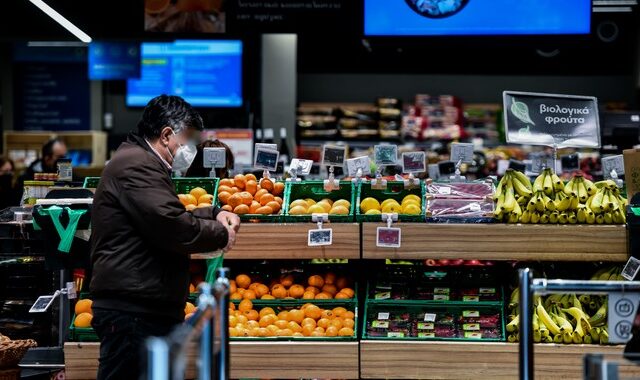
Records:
x=328, y=286
x=243, y=194
x=189, y=309
x=84, y=314
x=197, y=197
x=308, y=321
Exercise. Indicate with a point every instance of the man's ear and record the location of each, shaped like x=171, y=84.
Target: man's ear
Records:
x=165, y=134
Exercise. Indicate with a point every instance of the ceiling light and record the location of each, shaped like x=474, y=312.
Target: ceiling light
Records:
x=82, y=36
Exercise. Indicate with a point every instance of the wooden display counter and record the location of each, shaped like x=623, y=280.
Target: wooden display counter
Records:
x=289, y=241
x=476, y=360
x=501, y=242
x=282, y=360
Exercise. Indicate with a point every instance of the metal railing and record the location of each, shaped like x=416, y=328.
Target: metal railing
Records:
x=529, y=286
x=166, y=356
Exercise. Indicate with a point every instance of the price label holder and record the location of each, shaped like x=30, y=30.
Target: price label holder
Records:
x=570, y=162
x=622, y=310
x=333, y=155
x=434, y=171
x=389, y=237
x=214, y=158
x=461, y=153
x=43, y=303
x=631, y=268
x=71, y=290
x=383, y=155
x=612, y=167
x=320, y=236
x=413, y=163
x=266, y=159
x=358, y=167
x=299, y=167
x=541, y=161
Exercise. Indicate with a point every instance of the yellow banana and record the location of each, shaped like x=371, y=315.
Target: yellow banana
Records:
x=545, y=318
x=509, y=199
x=568, y=188
x=535, y=218
x=538, y=183
x=596, y=202
x=523, y=178
x=591, y=188
x=558, y=185
x=513, y=325
x=548, y=183
x=563, y=323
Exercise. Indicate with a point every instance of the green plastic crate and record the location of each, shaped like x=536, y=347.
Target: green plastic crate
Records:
x=91, y=182
x=278, y=306
x=82, y=334
x=394, y=190
x=417, y=334
x=414, y=302
x=299, y=302
x=272, y=218
x=315, y=190
x=185, y=185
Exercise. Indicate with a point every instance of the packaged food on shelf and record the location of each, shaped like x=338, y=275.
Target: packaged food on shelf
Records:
x=459, y=210
x=481, y=190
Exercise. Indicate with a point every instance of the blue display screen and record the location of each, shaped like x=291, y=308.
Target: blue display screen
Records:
x=476, y=17
x=204, y=73
x=114, y=60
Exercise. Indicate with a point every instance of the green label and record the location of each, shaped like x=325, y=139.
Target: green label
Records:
x=471, y=298
x=470, y=313
x=426, y=335
x=487, y=290
x=425, y=326
x=473, y=335
x=395, y=335
x=441, y=290
x=380, y=324
x=471, y=327
x=383, y=295
x=441, y=297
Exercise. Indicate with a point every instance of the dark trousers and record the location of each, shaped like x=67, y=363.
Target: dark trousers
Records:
x=122, y=342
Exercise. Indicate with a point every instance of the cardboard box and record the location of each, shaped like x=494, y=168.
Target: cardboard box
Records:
x=632, y=171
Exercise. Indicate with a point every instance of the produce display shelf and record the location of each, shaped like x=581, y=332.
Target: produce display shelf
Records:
x=402, y=359
x=283, y=360
x=501, y=242
x=289, y=241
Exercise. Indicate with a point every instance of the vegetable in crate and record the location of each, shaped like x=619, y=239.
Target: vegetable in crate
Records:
x=410, y=205
x=324, y=206
x=243, y=194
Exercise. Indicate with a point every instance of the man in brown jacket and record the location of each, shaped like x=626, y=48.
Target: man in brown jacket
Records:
x=142, y=237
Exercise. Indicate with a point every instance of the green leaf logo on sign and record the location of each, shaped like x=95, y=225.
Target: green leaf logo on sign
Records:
x=521, y=111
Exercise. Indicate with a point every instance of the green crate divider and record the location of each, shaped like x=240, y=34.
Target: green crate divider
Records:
x=185, y=185
x=315, y=190
x=497, y=308
x=82, y=334
x=278, y=305
x=91, y=182
x=395, y=190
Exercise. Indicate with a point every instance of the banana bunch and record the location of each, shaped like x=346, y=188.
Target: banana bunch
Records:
x=512, y=194
x=606, y=203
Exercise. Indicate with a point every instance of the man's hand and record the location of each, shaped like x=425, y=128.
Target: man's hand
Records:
x=232, y=222
x=232, y=240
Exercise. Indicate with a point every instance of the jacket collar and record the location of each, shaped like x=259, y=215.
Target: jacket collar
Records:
x=135, y=139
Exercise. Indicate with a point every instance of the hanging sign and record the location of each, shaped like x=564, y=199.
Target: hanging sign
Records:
x=553, y=120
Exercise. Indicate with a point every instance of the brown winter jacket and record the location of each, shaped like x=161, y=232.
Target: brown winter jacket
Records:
x=142, y=235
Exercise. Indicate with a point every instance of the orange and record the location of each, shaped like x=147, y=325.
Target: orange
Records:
x=233, y=321
x=204, y=204
x=345, y=331
x=349, y=315
x=262, y=332
x=253, y=332
x=254, y=206
x=293, y=326
x=328, y=314
x=254, y=285
x=306, y=305
x=268, y=320
x=261, y=290
x=296, y=315
x=284, y=315
x=312, y=289
x=253, y=324
x=348, y=323
x=247, y=198
x=183, y=199
x=243, y=281
x=287, y=280
x=225, y=189
x=232, y=306
x=308, y=295
x=242, y=319
x=342, y=282
x=331, y=289
x=339, y=311
x=190, y=207
x=324, y=323
x=316, y=281
x=267, y=297
x=272, y=329
x=266, y=184
x=206, y=198
x=252, y=315
x=245, y=305
x=317, y=334
x=250, y=177
x=266, y=198
x=309, y=321
x=235, y=190
x=275, y=206
x=241, y=291
x=239, y=181
x=267, y=311
x=83, y=320
x=337, y=323
x=235, y=200
x=285, y=332
x=227, y=208
x=251, y=187
x=323, y=296
x=197, y=192
x=281, y=323
x=226, y=182
x=235, y=296
x=156, y=6
x=259, y=194
x=313, y=311
x=296, y=291
x=84, y=306
x=192, y=288
x=264, y=210
x=319, y=329
x=331, y=331
x=189, y=308
x=307, y=330
x=341, y=296
x=249, y=295
x=348, y=291
x=241, y=209
x=190, y=200
x=329, y=278
x=279, y=200
x=279, y=291
x=278, y=188
x=233, y=332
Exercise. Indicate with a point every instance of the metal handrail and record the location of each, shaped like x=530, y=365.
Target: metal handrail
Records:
x=529, y=286
x=167, y=355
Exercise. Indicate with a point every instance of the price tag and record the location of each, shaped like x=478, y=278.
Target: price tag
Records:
x=413, y=162
x=471, y=299
x=631, y=268
x=320, y=237
x=441, y=297
x=429, y=317
x=42, y=304
x=383, y=316
x=382, y=296
x=385, y=155
x=470, y=313
x=503, y=165
x=612, y=163
x=426, y=335
x=622, y=310
x=540, y=161
x=380, y=324
x=444, y=190
x=302, y=167
x=434, y=171
x=475, y=207
x=388, y=237
x=362, y=164
x=462, y=152
x=71, y=290
x=395, y=335
x=441, y=290
x=471, y=326
x=214, y=157
x=266, y=159
x=425, y=326
x=472, y=335
x=487, y=290
x=333, y=155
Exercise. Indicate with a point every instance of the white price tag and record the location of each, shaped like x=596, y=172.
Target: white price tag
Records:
x=383, y=316
x=266, y=159
x=320, y=237
x=503, y=165
x=429, y=317
x=631, y=268
x=475, y=207
x=362, y=164
x=622, y=309
x=42, y=304
x=385, y=155
x=414, y=162
x=388, y=237
x=539, y=162
x=71, y=290
x=611, y=163
x=302, y=167
x=462, y=152
x=214, y=157
x=333, y=155
x=444, y=190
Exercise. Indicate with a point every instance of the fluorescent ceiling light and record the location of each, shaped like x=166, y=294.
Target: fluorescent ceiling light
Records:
x=82, y=36
x=56, y=44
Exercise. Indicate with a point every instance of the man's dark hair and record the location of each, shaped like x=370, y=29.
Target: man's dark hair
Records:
x=47, y=148
x=168, y=111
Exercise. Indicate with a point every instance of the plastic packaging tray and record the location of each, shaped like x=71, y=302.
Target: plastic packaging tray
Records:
x=315, y=190
x=458, y=208
x=460, y=190
x=394, y=190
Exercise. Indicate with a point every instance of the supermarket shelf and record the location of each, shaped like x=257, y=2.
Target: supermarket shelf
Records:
x=453, y=360
x=289, y=241
x=283, y=360
x=502, y=242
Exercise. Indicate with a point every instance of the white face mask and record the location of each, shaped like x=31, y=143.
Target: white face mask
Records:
x=184, y=158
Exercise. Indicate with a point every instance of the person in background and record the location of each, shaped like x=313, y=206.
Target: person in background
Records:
x=8, y=194
x=197, y=168
x=52, y=151
x=142, y=237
